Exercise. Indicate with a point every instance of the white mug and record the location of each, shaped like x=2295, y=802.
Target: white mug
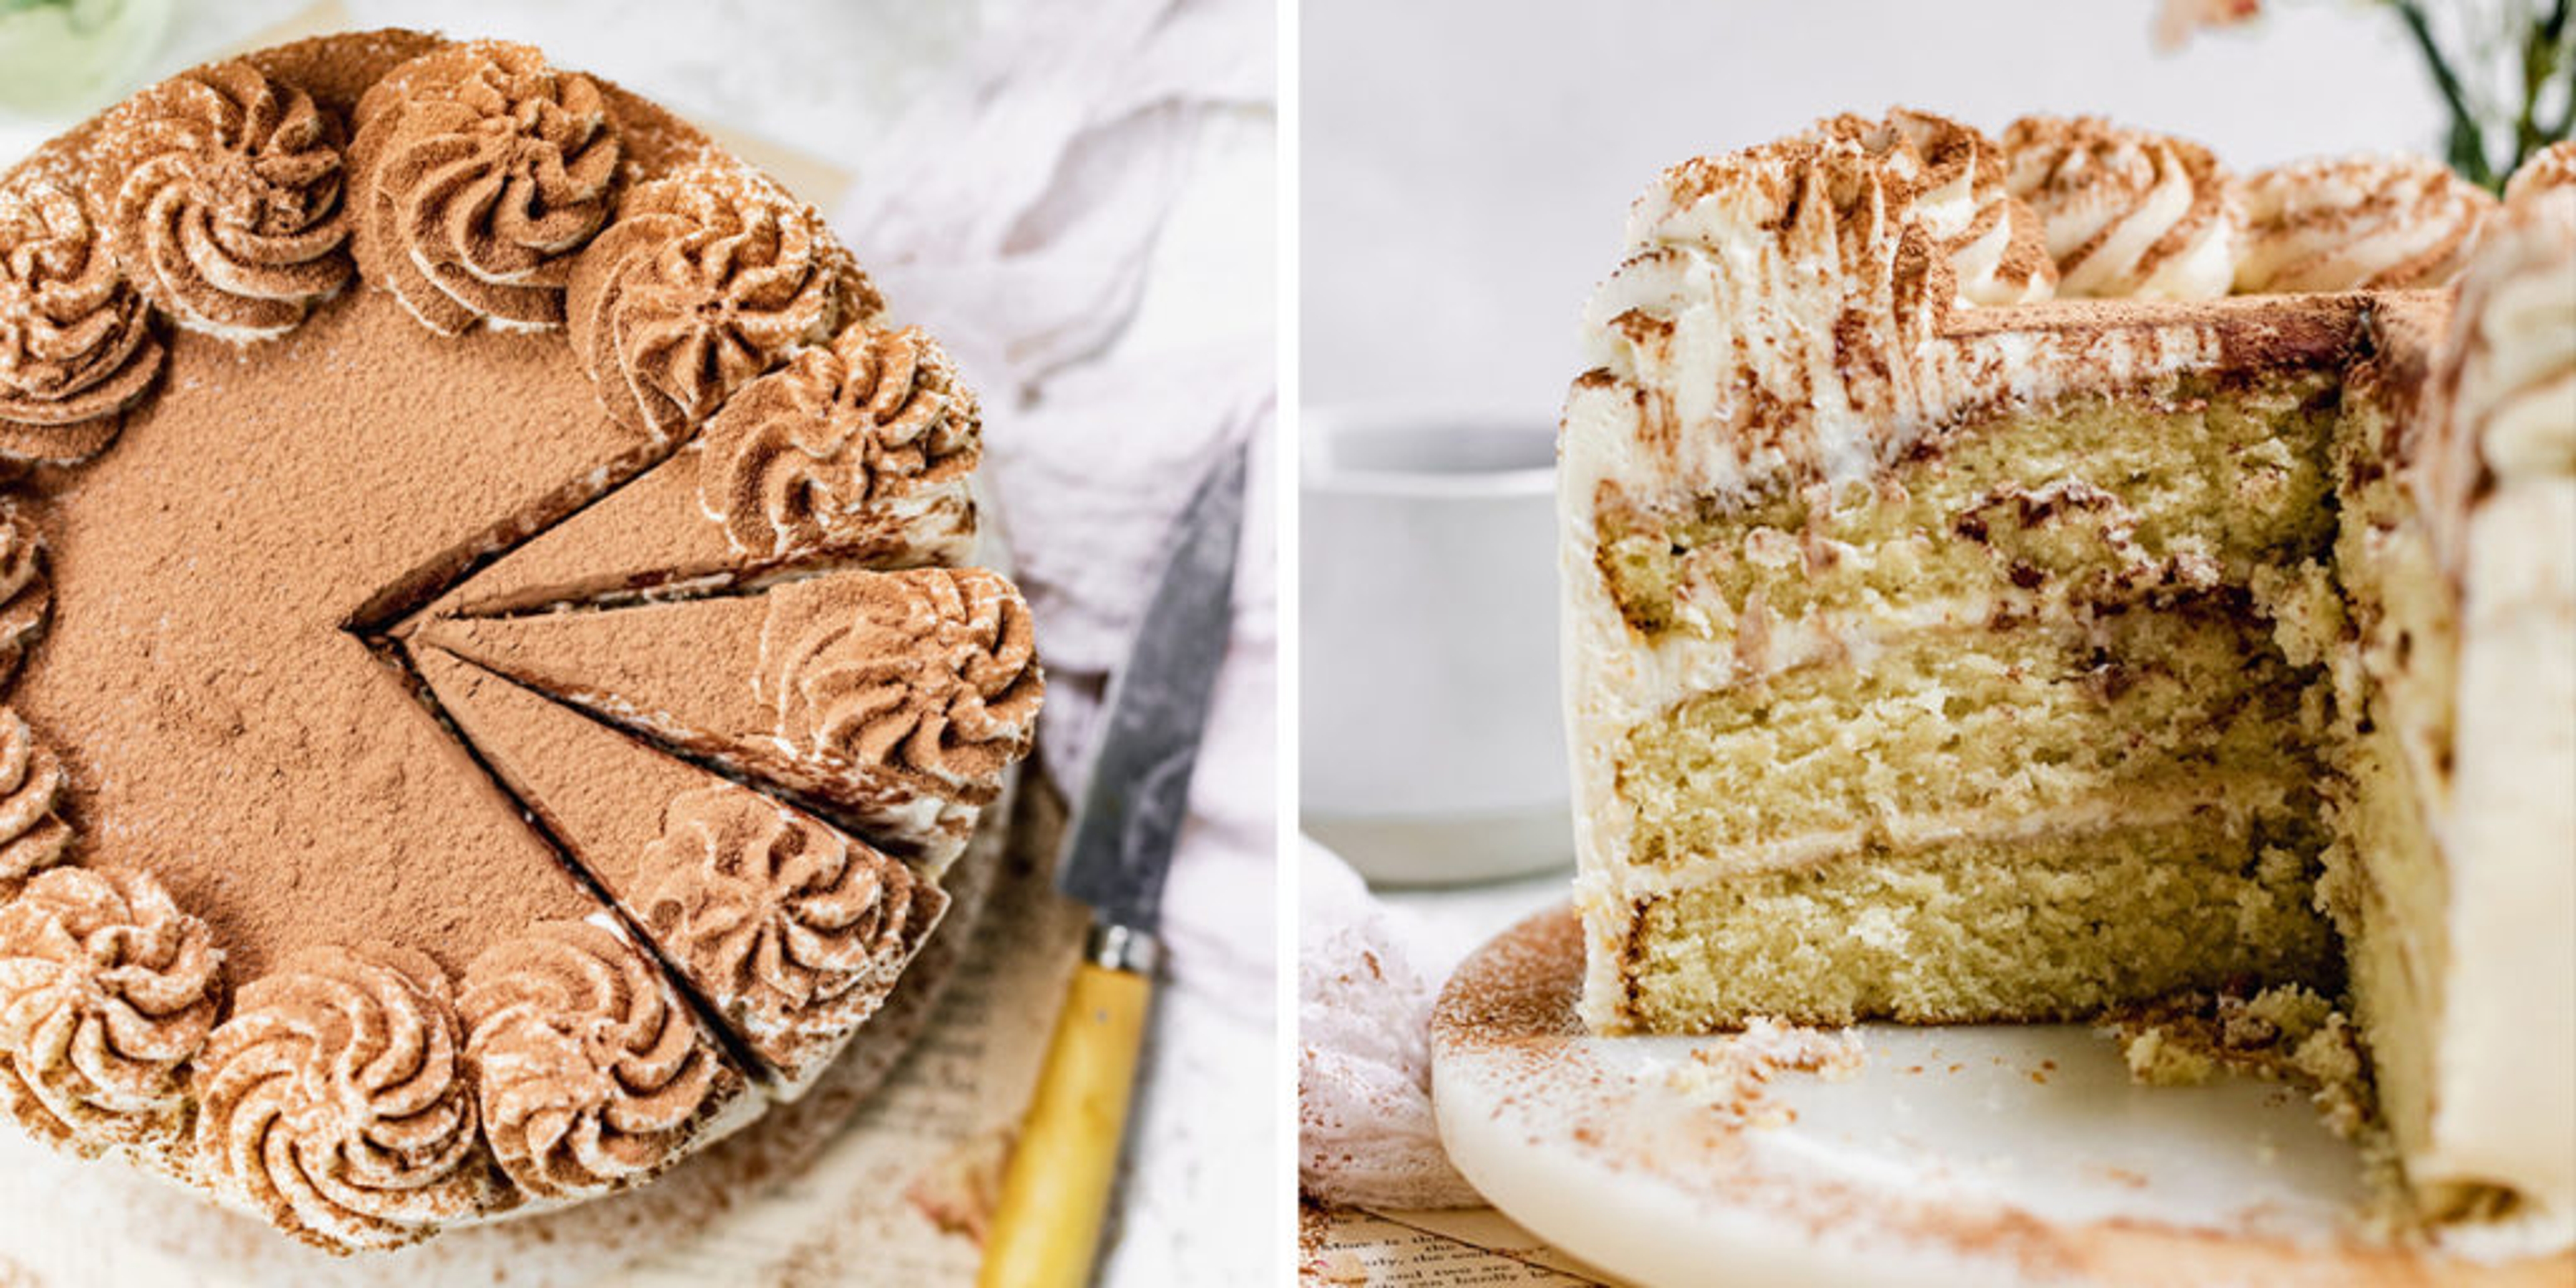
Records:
x=1432, y=744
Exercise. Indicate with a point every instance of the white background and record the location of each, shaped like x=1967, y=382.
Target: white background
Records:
x=1467, y=163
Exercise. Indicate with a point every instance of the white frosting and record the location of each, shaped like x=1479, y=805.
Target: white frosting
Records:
x=2551, y=167
x=2356, y=222
x=1990, y=239
x=2505, y=1049
x=2127, y=213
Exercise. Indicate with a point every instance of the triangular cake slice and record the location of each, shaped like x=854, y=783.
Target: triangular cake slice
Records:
x=855, y=454
x=892, y=701
x=790, y=929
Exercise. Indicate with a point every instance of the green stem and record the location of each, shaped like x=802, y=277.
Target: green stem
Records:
x=2547, y=54
x=2467, y=150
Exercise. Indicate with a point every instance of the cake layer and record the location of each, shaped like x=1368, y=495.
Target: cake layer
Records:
x=2053, y=927
x=2091, y=499
x=2003, y=723
x=790, y=930
x=892, y=700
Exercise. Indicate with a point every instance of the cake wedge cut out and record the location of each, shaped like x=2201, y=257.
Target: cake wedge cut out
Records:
x=892, y=701
x=789, y=929
x=855, y=454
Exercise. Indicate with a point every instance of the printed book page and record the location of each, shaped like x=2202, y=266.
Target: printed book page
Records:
x=1341, y=1247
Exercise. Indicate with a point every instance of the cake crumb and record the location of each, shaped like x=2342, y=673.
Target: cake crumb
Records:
x=2287, y=1033
x=1730, y=1076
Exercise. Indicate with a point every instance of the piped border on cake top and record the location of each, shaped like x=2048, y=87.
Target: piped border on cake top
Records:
x=357, y=1096
x=1802, y=311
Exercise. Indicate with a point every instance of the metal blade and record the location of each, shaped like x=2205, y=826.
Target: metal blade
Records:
x=1140, y=777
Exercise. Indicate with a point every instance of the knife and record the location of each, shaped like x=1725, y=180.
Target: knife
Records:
x=1046, y=1228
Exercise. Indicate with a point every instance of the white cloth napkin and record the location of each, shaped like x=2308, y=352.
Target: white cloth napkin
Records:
x=1367, y=977
x=1081, y=211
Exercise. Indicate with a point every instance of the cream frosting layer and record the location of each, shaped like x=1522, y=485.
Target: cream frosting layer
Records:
x=2127, y=212
x=708, y=279
x=26, y=593
x=333, y=1098
x=107, y=990
x=221, y=191
x=774, y=909
x=2551, y=167
x=480, y=172
x=1993, y=241
x=2355, y=223
x=848, y=439
x=587, y=1069
x=33, y=835
x=2505, y=1054
x=76, y=342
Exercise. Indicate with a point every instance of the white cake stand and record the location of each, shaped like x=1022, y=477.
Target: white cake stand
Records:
x=1984, y=1155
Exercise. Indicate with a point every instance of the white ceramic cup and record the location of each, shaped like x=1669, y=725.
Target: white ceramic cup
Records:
x=1432, y=747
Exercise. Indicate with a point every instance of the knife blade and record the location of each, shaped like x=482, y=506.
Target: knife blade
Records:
x=1045, y=1231
x=1138, y=794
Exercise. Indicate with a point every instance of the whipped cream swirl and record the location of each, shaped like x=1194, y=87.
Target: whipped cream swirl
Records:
x=220, y=191
x=332, y=1098
x=588, y=1071
x=76, y=342
x=2357, y=223
x=2126, y=212
x=2551, y=167
x=1993, y=241
x=2512, y=368
x=708, y=279
x=481, y=172
x=932, y=671
x=815, y=454
x=33, y=835
x=791, y=926
x=26, y=594
x=106, y=989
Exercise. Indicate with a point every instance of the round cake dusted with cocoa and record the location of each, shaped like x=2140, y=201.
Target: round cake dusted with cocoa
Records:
x=373, y=855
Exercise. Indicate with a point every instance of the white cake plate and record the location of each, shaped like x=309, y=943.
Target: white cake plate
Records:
x=1971, y=1155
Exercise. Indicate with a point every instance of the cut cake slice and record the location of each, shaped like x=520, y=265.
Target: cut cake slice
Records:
x=856, y=454
x=789, y=929
x=892, y=701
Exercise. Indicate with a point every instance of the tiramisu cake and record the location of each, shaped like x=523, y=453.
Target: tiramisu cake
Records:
x=2006, y=578
x=301, y=907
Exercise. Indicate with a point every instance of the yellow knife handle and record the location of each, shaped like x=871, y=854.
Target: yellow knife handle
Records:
x=1046, y=1230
